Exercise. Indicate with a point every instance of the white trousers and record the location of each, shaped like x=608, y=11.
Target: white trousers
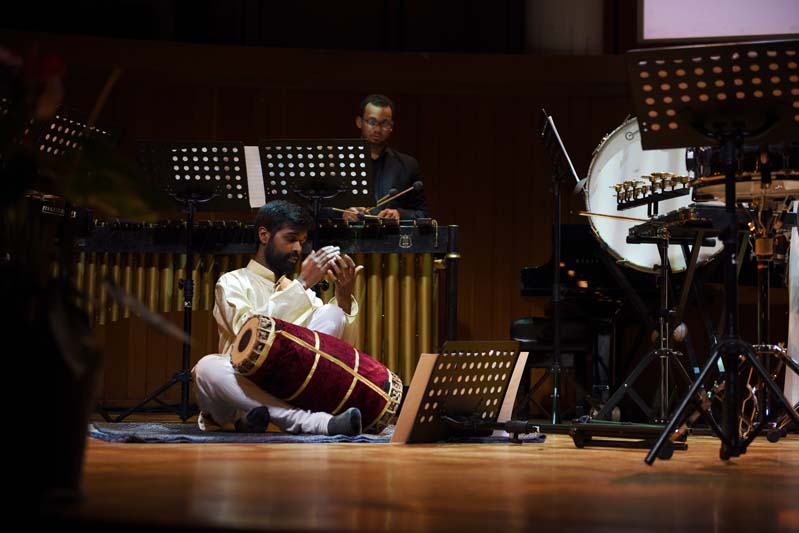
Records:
x=227, y=395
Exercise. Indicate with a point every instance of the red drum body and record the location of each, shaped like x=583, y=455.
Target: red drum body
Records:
x=315, y=371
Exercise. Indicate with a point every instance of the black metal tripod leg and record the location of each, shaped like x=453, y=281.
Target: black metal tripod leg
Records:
x=704, y=413
x=680, y=412
x=529, y=396
x=614, y=400
x=632, y=295
x=103, y=412
x=739, y=256
x=579, y=389
x=791, y=363
x=152, y=396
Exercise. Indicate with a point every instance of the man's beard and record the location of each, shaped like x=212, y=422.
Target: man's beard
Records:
x=279, y=263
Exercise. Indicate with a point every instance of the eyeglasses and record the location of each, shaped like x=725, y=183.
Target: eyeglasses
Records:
x=383, y=124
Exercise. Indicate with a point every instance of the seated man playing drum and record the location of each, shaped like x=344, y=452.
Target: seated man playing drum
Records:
x=229, y=401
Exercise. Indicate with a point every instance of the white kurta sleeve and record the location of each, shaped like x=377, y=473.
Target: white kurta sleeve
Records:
x=293, y=304
x=233, y=305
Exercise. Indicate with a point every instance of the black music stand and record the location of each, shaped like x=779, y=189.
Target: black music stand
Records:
x=725, y=94
x=461, y=392
x=66, y=132
x=338, y=171
x=562, y=169
x=194, y=173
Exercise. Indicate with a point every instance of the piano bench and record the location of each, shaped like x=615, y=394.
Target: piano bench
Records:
x=535, y=335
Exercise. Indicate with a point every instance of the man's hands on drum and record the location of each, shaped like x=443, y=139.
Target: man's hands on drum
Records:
x=343, y=272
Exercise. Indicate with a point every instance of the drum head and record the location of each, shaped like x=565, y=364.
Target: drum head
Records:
x=620, y=158
x=247, y=341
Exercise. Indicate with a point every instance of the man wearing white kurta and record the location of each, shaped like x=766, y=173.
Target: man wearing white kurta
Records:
x=230, y=401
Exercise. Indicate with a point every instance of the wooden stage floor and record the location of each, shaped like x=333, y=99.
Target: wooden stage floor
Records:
x=552, y=486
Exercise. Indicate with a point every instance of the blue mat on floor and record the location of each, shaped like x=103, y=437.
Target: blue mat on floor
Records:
x=176, y=432
x=167, y=432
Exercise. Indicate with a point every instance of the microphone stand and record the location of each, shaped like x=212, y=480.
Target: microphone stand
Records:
x=561, y=168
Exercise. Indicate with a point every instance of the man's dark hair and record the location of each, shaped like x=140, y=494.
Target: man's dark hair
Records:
x=378, y=100
x=278, y=214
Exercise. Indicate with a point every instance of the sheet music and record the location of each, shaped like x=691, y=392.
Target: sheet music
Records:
x=255, y=176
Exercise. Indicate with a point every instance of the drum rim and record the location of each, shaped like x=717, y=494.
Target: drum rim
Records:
x=237, y=357
x=587, y=192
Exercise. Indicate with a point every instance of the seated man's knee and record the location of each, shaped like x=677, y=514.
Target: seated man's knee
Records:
x=208, y=367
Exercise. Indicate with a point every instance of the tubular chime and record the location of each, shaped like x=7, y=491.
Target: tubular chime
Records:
x=398, y=292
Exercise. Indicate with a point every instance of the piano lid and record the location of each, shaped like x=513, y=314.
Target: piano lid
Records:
x=583, y=271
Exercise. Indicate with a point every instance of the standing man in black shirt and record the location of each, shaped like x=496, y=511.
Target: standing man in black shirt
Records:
x=390, y=169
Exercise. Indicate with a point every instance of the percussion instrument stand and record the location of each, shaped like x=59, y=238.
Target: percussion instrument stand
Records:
x=731, y=347
x=664, y=352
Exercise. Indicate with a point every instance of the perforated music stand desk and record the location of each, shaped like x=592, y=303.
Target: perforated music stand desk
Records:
x=210, y=172
x=467, y=380
x=65, y=135
x=338, y=171
x=725, y=94
x=67, y=132
x=690, y=96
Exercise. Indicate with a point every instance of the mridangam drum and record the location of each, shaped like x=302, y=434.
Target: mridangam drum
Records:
x=316, y=371
x=620, y=158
